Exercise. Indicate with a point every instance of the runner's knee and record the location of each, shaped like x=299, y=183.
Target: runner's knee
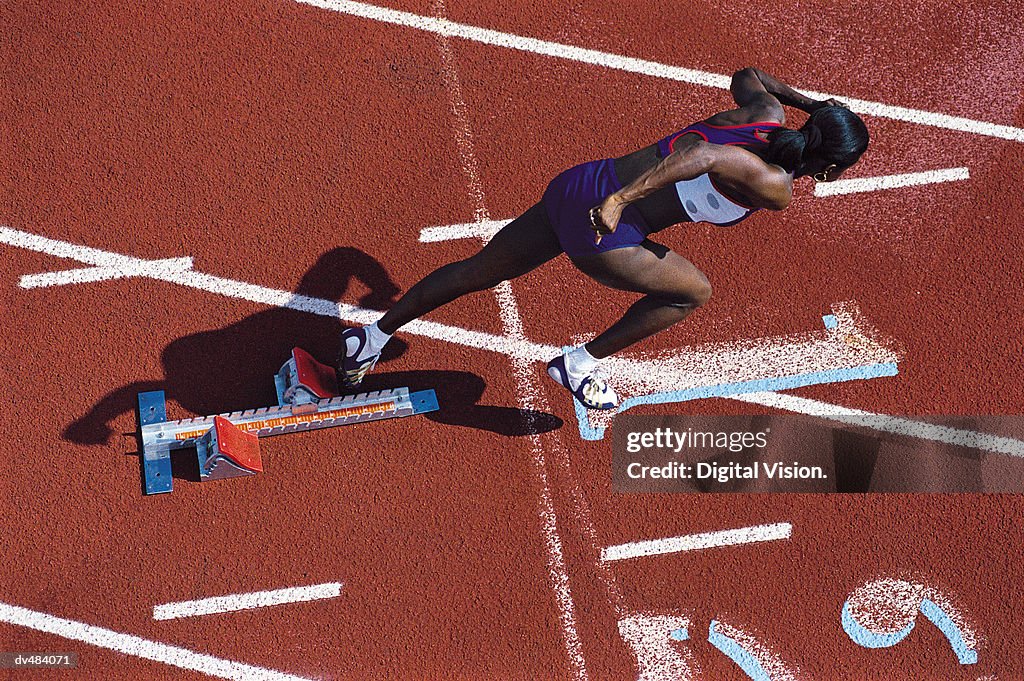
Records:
x=702, y=293
x=693, y=295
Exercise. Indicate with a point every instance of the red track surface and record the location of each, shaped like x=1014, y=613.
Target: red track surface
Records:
x=303, y=150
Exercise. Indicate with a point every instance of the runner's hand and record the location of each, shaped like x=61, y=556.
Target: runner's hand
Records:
x=831, y=102
x=604, y=219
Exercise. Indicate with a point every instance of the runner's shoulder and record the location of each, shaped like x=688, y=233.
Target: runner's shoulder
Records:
x=764, y=110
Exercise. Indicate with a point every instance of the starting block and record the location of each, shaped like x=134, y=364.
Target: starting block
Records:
x=227, y=451
x=227, y=444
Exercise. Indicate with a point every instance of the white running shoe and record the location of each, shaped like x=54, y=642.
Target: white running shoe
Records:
x=591, y=391
x=352, y=368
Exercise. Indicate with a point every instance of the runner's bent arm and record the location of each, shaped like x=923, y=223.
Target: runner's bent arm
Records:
x=693, y=159
x=753, y=87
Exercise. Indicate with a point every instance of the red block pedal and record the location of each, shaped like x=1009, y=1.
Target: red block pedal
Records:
x=319, y=379
x=238, y=446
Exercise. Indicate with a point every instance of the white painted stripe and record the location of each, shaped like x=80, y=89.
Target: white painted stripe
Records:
x=652, y=638
x=874, y=184
x=929, y=118
x=645, y=67
x=248, y=601
x=143, y=268
x=65, y=277
x=63, y=249
x=888, y=424
x=548, y=450
x=106, y=265
x=697, y=542
x=515, y=42
x=530, y=398
x=489, y=228
x=255, y=293
x=479, y=230
x=138, y=647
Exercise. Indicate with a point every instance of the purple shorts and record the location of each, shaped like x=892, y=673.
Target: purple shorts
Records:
x=568, y=200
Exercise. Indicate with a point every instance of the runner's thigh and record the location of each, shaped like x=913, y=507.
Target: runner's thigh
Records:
x=649, y=268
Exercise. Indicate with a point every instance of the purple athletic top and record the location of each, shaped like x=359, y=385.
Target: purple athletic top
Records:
x=570, y=196
x=699, y=197
x=743, y=135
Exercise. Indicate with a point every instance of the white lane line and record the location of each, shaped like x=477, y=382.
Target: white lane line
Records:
x=874, y=184
x=138, y=647
x=63, y=249
x=105, y=265
x=548, y=450
x=143, y=268
x=83, y=254
x=697, y=542
x=530, y=397
x=248, y=601
x=483, y=229
x=645, y=67
x=888, y=424
x=255, y=293
x=516, y=42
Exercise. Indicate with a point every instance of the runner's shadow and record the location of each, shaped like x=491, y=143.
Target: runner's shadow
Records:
x=232, y=368
x=458, y=393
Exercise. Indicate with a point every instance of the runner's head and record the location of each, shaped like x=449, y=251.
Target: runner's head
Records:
x=831, y=141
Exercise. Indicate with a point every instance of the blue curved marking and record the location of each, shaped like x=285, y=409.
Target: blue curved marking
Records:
x=938, y=617
x=950, y=630
x=870, y=639
x=738, y=654
x=587, y=432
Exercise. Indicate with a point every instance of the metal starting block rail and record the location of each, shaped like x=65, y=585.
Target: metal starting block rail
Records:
x=226, y=444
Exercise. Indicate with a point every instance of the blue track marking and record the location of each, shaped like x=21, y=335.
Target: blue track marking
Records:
x=935, y=614
x=950, y=630
x=870, y=639
x=588, y=432
x=679, y=634
x=738, y=654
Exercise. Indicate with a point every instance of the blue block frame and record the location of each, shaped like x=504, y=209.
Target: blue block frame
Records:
x=156, y=461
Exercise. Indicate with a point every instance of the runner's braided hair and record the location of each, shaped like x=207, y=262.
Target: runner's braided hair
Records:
x=832, y=134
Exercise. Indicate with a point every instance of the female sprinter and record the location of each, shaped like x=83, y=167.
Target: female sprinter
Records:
x=600, y=214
